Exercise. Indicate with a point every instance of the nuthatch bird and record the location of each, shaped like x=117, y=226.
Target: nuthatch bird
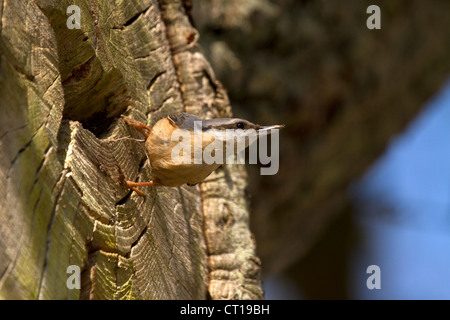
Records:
x=159, y=144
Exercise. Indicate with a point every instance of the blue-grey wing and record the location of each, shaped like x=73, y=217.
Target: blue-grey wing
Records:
x=183, y=120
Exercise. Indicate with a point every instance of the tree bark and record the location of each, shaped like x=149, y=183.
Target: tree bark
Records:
x=342, y=90
x=63, y=149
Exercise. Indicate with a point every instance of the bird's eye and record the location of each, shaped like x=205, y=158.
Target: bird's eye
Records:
x=240, y=125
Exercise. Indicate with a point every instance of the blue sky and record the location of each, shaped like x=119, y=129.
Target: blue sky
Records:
x=404, y=215
x=405, y=211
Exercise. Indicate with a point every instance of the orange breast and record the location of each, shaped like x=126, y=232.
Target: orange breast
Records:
x=165, y=170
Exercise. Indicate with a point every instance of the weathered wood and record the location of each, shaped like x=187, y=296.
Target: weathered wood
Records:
x=63, y=148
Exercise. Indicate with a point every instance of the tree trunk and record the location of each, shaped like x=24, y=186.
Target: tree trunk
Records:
x=63, y=149
x=342, y=90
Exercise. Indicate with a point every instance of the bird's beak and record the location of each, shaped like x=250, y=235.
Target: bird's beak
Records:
x=266, y=129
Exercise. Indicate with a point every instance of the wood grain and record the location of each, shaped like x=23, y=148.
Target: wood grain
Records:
x=63, y=149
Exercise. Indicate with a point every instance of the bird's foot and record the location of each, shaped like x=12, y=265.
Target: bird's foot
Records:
x=138, y=125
